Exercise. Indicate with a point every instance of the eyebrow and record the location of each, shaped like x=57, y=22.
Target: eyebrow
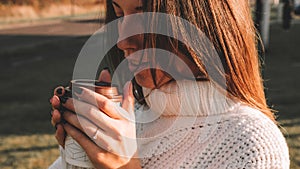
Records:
x=138, y=8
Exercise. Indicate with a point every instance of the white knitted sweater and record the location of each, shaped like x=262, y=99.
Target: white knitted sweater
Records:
x=207, y=130
x=192, y=125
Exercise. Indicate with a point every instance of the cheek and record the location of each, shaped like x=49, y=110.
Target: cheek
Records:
x=143, y=75
x=186, y=68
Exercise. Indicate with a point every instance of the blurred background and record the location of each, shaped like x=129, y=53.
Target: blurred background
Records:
x=41, y=39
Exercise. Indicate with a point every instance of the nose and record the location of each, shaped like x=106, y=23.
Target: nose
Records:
x=130, y=39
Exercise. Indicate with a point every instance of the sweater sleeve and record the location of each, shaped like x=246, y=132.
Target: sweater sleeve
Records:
x=57, y=164
x=261, y=142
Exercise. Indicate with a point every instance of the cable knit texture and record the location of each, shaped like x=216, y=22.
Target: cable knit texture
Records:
x=220, y=133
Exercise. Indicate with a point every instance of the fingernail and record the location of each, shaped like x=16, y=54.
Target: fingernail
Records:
x=63, y=99
x=78, y=90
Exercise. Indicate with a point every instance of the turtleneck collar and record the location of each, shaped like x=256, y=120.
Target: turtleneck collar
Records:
x=188, y=98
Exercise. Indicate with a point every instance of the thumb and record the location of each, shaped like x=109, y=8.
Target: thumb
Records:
x=128, y=101
x=105, y=76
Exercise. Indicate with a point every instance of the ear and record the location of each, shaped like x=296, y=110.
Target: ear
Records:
x=105, y=76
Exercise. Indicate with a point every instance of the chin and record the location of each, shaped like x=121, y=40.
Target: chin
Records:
x=144, y=79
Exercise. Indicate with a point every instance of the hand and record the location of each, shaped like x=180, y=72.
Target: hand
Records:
x=56, y=119
x=114, y=143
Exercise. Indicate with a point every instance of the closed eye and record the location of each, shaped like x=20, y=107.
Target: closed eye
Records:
x=119, y=12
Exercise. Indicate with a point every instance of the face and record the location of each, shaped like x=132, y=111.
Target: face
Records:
x=138, y=64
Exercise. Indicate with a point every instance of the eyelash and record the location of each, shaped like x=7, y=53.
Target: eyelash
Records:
x=122, y=14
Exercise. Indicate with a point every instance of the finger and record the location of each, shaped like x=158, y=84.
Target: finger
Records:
x=56, y=117
x=98, y=156
x=96, y=120
x=101, y=102
x=103, y=140
x=72, y=119
x=60, y=135
x=105, y=76
x=97, y=134
x=128, y=101
x=55, y=102
x=91, y=149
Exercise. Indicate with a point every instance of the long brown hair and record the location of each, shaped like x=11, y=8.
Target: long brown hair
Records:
x=229, y=26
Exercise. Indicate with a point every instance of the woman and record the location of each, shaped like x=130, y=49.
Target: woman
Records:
x=195, y=129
